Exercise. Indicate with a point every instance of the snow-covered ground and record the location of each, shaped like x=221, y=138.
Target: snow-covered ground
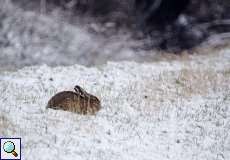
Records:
x=166, y=110
x=172, y=110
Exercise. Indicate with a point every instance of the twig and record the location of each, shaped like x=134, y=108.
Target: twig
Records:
x=42, y=6
x=207, y=25
x=216, y=39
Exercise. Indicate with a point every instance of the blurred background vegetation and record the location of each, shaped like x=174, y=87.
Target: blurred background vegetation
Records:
x=91, y=32
x=177, y=24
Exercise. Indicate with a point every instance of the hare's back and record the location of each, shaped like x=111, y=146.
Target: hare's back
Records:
x=62, y=99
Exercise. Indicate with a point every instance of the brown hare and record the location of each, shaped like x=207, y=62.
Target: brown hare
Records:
x=79, y=101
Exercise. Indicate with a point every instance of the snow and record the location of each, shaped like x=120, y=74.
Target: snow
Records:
x=167, y=110
x=171, y=110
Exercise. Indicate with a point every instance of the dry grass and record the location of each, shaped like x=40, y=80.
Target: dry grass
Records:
x=5, y=126
x=192, y=82
x=201, y=82
x=171, y=87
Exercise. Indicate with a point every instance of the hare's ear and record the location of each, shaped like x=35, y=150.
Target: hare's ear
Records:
x=80, y=90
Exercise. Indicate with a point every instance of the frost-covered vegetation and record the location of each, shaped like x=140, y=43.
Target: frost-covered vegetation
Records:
x=165, y=110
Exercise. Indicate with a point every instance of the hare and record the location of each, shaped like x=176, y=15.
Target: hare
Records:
x=79, y=101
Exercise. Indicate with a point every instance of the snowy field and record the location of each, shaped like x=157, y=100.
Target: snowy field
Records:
x=173, y=110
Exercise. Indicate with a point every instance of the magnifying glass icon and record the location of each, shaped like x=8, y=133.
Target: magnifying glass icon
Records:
x=9, y=147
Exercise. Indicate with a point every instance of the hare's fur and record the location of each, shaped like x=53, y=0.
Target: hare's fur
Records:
x=79, y=101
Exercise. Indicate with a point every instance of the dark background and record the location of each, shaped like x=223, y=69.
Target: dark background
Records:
x=162, y=22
